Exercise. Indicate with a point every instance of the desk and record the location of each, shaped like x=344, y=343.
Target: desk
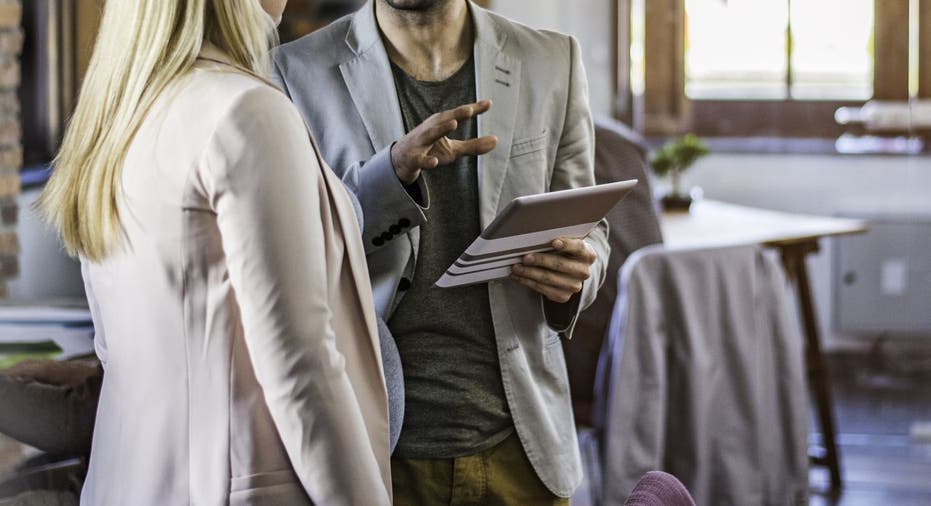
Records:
x=713, y=224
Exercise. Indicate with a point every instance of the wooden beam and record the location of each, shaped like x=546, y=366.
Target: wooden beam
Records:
x=621, y=30
x=87, y=21
x=890, y=70
x=665, y=108
x=924, y=49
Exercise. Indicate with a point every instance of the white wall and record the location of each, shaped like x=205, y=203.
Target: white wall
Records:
x=45, y=271
x=587, y=20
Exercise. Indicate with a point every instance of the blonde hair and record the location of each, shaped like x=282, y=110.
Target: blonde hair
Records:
x=142, y=48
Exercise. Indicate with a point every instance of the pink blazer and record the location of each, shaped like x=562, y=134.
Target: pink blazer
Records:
x=236, y=325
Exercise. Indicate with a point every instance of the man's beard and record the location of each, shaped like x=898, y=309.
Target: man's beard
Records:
x=414, y=5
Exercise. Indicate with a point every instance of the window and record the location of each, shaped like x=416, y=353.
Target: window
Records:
x=769, y=68
x=58, y=39
x=779, y=49
x=831, y=60
x=736, y=49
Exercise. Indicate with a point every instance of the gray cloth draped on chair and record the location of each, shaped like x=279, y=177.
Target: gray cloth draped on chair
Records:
x=702, y=376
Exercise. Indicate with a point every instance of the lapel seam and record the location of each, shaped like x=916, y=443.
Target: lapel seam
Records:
x=483, y=19
x=500, y=76
x=340, y=215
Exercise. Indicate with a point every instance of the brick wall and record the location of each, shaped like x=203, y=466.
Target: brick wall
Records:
x=11, y=150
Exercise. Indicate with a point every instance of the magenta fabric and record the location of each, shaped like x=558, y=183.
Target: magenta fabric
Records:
x=657, y=488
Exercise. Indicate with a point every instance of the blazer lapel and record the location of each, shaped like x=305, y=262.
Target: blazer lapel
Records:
x=370, y=81
x=498, y=79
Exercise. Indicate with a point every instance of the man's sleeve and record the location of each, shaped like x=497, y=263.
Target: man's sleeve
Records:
x=574, y=169
x=389, y=207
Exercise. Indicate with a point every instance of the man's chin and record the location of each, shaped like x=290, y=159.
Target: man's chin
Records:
x=413, y=5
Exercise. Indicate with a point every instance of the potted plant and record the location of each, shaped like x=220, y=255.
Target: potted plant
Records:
x=674, y=158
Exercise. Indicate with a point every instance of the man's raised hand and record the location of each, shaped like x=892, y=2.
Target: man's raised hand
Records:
x=427, y=146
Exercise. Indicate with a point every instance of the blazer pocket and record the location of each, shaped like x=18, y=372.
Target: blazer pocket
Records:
x=529, y=145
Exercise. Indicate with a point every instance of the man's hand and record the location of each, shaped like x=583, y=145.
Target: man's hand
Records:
x=427, y=147
x=557, y=276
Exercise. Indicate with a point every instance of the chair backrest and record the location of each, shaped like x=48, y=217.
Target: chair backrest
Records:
x=619, y=155
x=702, y=376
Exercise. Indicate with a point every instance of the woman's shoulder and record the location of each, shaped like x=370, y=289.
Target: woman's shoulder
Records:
x=246, y=110
x=229, y=91
x=217, y=114
x=221, y=104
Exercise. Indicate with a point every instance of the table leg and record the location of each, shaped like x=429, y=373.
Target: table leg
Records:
x=794, y=261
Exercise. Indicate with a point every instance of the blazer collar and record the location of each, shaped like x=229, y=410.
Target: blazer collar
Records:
x=370, y=81
x=363, y=31
x=210, y=52
x=486, y=28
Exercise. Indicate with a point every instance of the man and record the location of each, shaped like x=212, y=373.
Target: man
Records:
x=488, y=418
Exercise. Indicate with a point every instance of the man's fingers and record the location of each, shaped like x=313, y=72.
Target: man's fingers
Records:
x=551, y=293
x=550, y=278
x=471, y=110
x=429, y=162
x=437, y=127
x=434, y=129
x=576, y=248
x=578, y=269
x=463, y=112
x=473, y=147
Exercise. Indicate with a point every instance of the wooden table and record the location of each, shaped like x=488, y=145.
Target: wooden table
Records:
x=718, y=224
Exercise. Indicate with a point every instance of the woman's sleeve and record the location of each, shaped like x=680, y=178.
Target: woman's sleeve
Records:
x=264, y=183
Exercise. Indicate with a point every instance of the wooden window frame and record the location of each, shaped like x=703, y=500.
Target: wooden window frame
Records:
x=664, y=109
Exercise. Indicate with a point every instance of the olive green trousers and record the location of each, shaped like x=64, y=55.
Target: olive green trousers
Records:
x=501, y=476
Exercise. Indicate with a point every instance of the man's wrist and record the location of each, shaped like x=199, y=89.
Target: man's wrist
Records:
x=405, y=178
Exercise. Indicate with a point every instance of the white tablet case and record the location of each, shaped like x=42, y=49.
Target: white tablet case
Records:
x=529, y=225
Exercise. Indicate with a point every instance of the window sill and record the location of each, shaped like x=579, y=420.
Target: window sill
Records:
x=779, y=145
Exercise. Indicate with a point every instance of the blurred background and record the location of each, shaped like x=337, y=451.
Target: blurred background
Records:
x=818, y=107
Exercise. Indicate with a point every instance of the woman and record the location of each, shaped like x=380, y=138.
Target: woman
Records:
x=224, y=269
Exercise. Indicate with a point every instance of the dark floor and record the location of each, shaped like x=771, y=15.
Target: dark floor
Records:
x=880, y=399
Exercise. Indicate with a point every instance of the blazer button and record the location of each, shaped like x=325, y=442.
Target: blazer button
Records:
x=394, y=229
x=404, y=285
x=404, y=223
x=378, y=241
x=387, y=236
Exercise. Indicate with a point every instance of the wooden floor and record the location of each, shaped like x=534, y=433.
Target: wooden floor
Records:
x=879, y=398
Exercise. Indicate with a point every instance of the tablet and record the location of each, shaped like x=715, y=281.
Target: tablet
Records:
x=529, y=225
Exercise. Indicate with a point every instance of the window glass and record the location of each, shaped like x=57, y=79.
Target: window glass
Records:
x=739, y=49
x=637, y=49
x=736, y=49
x=832, y=54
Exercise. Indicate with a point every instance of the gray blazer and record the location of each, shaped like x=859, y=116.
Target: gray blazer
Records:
x=340, y=79
x=703, y=376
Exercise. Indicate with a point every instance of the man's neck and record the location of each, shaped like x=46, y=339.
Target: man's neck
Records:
x=430, y=45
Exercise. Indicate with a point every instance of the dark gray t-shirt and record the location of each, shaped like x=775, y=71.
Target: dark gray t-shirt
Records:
x=454, y=397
